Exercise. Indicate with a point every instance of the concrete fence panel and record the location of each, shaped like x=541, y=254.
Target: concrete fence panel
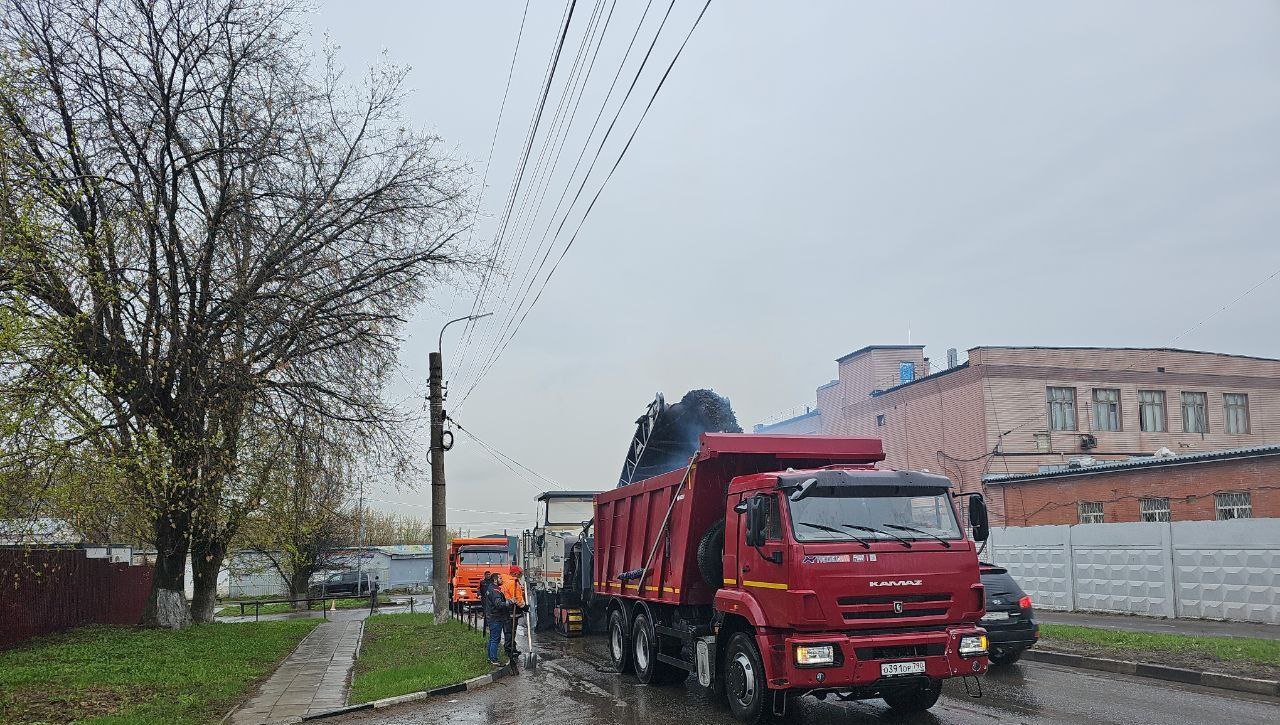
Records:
x=1228, y=569
x=1196, y=569
x=1039, y=558
x=1123, y=568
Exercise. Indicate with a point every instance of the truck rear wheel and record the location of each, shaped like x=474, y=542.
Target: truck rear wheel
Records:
x=619, y=641
x=645, y=649
x=917, y=698
x=744, y=682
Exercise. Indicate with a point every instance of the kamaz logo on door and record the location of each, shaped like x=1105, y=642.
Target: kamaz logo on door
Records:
x=898, y=583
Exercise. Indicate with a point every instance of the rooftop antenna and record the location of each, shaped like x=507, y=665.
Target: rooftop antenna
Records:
x=908, y=332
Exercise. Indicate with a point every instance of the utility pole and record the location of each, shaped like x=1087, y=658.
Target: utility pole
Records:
x=439, y=525
x=439, y=517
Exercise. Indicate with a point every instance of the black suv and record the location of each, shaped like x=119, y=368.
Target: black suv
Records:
x=342, y=582
x=1009, y=621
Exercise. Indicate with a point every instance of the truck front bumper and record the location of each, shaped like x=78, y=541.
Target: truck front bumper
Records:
x=859, y=658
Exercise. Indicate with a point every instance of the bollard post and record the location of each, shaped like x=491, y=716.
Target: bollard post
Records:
x=411, y=600
x=257, y=607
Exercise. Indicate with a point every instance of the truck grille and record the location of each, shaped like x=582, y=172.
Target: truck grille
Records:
x=890, y=599
x=851, y=616
x=899, y=651
x=883, y=606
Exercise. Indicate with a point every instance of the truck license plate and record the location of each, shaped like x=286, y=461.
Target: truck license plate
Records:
x=889, y=669
x=995, y=616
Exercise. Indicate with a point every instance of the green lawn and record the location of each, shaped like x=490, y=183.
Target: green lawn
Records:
x=279, y=608
x=405, y=653
x=121, y=675
x=1259, y=651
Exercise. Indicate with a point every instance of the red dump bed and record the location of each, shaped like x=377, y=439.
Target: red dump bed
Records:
x=629, y=519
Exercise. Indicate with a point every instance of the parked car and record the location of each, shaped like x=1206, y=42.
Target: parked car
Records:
x=1010, y=620
x=342, y=582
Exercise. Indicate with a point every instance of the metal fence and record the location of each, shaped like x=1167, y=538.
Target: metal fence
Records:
x=50, y=590
x=1193, y=569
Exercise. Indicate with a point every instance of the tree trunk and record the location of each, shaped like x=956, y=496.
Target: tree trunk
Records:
x=207, y=555
x=299, y=585
x=167, y=605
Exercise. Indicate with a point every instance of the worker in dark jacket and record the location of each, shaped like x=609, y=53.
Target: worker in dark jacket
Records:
x=480, y=592
x=497, y=611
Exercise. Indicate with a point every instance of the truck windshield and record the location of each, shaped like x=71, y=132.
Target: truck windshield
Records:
x=569, y=511
x=846, y=513
x=467, y=555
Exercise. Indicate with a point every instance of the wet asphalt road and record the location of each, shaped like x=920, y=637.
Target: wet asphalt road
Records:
x=569, y=688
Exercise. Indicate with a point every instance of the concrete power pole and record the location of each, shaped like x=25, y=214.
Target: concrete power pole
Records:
x=439, y=517
x=439, y=521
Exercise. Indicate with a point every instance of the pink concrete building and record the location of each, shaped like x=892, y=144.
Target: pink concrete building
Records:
x=1012, y=410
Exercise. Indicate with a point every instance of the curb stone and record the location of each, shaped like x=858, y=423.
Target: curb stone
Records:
x=1158, y=672
x=472, y=684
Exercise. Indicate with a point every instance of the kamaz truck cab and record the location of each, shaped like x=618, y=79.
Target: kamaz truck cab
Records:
x=469, y=559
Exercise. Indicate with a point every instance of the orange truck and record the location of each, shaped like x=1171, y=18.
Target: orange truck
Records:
x=469, y=559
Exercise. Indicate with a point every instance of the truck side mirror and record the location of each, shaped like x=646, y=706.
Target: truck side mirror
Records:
x=978, y=517
x=755, y=521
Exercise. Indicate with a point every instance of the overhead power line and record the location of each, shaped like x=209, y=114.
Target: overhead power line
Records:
x=495, y=248
x=508, y=461
x=541, y=183
x=504, y=343
x=527, y=281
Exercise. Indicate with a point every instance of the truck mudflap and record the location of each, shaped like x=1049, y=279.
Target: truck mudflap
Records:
x=869, y=660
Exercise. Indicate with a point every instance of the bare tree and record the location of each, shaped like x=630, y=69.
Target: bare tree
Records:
x=211, y=229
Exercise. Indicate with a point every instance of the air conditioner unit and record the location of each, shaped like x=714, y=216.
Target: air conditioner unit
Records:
x=1088, y=442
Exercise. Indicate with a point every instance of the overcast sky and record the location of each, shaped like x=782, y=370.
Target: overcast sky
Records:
x=815, y=177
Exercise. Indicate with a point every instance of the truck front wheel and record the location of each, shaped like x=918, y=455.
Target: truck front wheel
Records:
x=619, y=641
x=744, y=682
x=917, y=698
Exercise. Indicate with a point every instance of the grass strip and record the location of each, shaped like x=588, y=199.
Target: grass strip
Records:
x=1258, y=651
x=130, y=676
x=405, y=653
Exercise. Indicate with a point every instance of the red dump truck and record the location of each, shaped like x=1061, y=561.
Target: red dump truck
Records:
x=778, y=566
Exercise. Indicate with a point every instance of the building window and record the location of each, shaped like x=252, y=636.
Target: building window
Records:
x=1062, y=408
x=1236, y=406
x=1106, y=409
x=1155, y=509
x=1090, y=512
x=1151, y=411
x=1233, y=506
x=906, y=372
x=880, y=420
x=1043, y=441
x=1195, y=413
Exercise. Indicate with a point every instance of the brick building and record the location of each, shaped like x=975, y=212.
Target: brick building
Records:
x=1019, y=410
x=1238, y=483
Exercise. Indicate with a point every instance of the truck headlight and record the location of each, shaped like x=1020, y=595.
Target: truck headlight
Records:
x=462, y=592
x=815, y=655
x=973, y=646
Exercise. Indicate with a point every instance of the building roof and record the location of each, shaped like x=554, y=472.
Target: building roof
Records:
x=930, y=376
x=1122, y=347
x=763, y=427
x=1227, y=454
x=869, y=348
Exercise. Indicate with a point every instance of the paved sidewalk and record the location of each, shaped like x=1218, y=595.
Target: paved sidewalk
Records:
x=313, y=677
x=1133, y=623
